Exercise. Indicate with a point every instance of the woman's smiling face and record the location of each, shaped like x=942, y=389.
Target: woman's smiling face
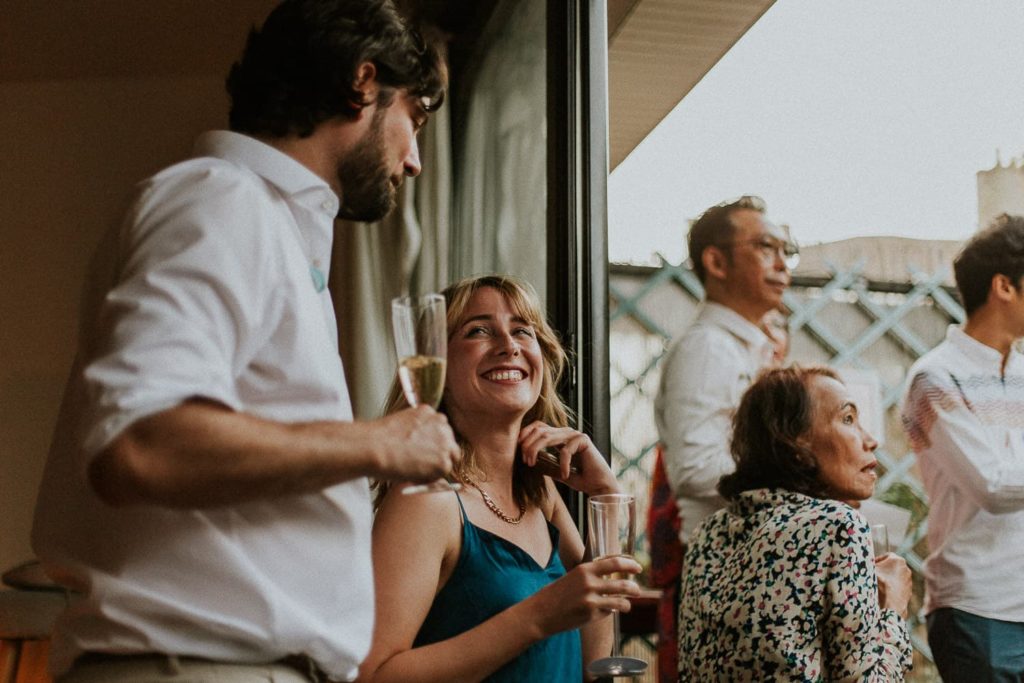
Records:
x=495, y=364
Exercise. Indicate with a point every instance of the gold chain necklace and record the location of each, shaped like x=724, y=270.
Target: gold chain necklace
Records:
x=492, y=506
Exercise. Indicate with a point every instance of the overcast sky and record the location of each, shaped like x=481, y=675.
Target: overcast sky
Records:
x=849, y=118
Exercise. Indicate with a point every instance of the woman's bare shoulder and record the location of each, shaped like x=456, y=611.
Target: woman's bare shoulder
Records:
x=421, y=512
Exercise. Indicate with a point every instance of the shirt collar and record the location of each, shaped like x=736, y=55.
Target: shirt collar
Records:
x=982, y=354
x=271, y=164
x=747, y=332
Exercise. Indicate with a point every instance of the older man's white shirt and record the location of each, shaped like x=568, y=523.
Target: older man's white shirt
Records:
x=703, y=377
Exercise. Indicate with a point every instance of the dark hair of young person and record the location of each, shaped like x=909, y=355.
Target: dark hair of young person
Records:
x=996, y=250
x=299, y=69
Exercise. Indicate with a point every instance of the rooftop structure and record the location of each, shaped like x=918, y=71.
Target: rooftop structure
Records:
x=883, y=259
x=1001, y=190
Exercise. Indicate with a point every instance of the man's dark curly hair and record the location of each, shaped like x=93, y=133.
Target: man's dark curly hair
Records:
x=714, y=228
x=769, y=432
x=996, y=250
x=299, y=69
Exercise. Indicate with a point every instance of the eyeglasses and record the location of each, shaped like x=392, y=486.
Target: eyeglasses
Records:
x=771, y=249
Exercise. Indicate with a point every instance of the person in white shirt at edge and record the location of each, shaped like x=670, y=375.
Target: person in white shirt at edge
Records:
x=963, y=411
x=743, y=261
x=206, y=494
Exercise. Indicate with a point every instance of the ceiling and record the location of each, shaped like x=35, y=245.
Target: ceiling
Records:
x=658, y=49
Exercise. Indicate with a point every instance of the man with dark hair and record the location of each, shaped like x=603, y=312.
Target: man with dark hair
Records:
x=744, y=261
x=962, y=411
x=206, y=498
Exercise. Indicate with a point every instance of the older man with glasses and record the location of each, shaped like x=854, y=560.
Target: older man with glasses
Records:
x=743, y=261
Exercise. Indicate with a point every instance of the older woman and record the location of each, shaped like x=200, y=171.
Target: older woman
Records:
x=492, y=583
x=783, y=584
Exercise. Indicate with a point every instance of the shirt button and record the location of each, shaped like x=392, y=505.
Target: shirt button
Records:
x=328, y=205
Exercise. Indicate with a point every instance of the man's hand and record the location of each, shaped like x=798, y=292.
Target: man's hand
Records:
x=202, y=455
x=416, y=445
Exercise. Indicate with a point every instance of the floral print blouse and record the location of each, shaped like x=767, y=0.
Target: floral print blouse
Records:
x=780, y=586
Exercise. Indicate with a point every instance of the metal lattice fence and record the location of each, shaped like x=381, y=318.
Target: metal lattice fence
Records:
x=875, y=328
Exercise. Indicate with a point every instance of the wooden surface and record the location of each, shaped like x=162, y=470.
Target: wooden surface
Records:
x=24, y=661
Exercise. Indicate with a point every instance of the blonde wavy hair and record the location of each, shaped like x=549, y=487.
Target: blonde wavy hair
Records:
x=528, y=484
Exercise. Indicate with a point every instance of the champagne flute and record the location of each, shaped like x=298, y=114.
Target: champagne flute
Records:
x=612, y=520
x=421, y=341
x=880, y=539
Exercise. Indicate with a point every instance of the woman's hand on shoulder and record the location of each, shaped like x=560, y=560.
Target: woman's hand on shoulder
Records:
x=583, y=595
x=580, y=465
x=894, y=583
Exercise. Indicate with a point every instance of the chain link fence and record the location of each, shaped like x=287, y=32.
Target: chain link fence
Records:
x=873, y=329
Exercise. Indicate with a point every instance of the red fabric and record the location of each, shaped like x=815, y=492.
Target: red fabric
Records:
x=668, y=634
x=666, y=566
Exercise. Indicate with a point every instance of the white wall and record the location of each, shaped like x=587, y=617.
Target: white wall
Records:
x=70, y=152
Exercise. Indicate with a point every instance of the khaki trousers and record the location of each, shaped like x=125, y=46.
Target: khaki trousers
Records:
x=168, y=669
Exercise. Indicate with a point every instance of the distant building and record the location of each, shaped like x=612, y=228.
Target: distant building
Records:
x=1000, y=190
x=895, y=259
x=882, y=259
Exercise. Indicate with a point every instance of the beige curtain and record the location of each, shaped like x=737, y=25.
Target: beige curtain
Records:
x=498, y=198
x=372, y=263
x=501, y=176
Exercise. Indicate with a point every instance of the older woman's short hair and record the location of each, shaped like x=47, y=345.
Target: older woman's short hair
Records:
x=770, y=428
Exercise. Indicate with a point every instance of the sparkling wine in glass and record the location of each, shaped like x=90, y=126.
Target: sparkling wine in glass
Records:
x=422, y=379
x=421, y=341
x=612, y=521
x=880, y=539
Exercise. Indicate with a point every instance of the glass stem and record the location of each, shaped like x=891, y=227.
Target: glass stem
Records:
x=615, y=633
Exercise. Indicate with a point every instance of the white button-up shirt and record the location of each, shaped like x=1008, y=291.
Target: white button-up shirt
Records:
x=964, y=414
x=212, y=288
x=703, y=377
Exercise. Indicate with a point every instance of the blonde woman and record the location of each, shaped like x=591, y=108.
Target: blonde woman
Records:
x=492, y=583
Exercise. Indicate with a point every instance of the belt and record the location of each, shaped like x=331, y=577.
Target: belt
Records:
x=303, y=664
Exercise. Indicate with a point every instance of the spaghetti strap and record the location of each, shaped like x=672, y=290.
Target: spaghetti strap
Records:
x=465, y=517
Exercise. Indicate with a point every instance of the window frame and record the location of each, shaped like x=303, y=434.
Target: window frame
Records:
x=577, y=213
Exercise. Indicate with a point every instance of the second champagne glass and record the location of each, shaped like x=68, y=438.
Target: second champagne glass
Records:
x=612, y=520
x=421, y=342
x=880, y=539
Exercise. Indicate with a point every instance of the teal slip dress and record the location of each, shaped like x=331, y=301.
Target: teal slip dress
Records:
x=491, y=575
